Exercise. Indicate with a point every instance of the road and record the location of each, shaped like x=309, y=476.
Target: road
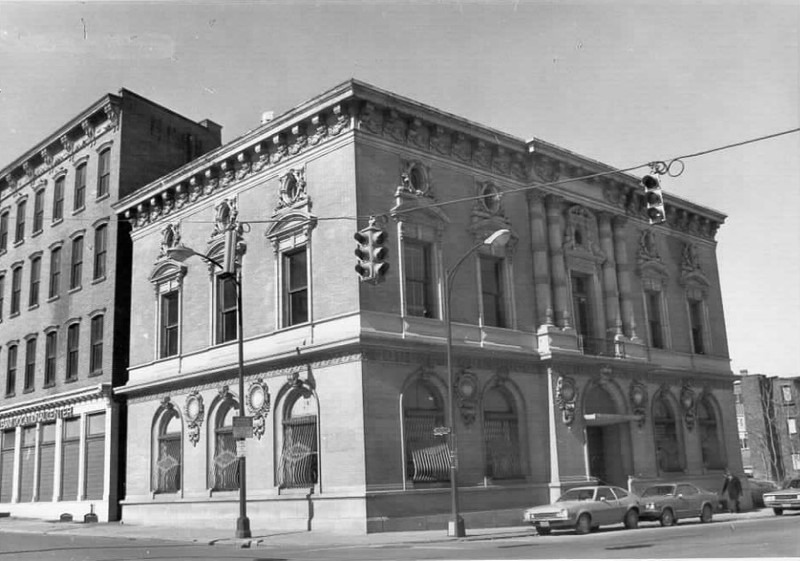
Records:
x=765, y=537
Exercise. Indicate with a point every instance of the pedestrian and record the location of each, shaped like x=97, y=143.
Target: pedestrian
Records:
x=733, y=488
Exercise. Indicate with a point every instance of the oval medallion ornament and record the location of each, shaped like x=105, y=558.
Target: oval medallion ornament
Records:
x=258, y=402
x=194, y=410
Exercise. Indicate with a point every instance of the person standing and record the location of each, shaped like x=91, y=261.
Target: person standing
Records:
x=733, y=488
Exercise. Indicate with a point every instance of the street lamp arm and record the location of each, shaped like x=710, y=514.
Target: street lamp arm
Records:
x=182, y=252
x=451, y=272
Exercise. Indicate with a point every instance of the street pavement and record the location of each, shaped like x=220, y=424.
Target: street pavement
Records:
x=318, y=539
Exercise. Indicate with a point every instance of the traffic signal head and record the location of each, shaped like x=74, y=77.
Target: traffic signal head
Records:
x=371, y=252
x=654, y=199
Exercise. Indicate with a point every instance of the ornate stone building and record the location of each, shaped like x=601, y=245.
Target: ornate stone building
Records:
x=64, y=300
x=591, y=346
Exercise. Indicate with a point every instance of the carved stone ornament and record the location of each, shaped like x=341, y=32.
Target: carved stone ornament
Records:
x=638, y=398
x=170, y=237
x=414, y=179
x=66, y=143
x=396, y=126
x=566, y=395
x=320, y=129
x=342, y=120
x=467, y=396
x=490, y=197
x=259, y=404
x=687, y=404
x=293, y=189
x=194, y=410
x=418, y=134
x=225, y=215
x=690, y=260
x=370, y=119
x=545, y=169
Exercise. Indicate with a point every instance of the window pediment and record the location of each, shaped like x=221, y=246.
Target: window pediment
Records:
x=291, y=228
x=167, y=270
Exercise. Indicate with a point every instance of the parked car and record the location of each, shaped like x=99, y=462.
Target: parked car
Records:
x=586, y=508
x=670, y=502
x=757, y=489
x=785, y=498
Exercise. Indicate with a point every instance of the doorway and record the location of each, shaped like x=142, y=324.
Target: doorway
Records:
x=608, y=444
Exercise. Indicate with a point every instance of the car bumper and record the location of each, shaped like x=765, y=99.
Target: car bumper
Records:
x=650, y=514
x=554, y=524
x=787, y=504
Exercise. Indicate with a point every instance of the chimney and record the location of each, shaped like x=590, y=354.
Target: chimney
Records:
x=743, y=372
x=213, y=128
x=267, y=116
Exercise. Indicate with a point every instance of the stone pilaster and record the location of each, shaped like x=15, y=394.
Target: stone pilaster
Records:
x=541, y=263
x=624, y=271
x=555, y=227
x=610, y=287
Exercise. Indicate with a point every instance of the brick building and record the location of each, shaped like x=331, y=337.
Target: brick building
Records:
x=767, y=416
x=65, y=300
x=591, y=346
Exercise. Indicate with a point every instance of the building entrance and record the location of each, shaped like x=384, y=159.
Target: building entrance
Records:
x=608, y=445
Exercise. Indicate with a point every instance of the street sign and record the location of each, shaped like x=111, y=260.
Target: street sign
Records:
x=241, y=448
x=242, y=427
x=441, y=431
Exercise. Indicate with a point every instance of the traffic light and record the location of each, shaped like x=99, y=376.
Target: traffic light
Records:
x=654, y=199
x=371, y=253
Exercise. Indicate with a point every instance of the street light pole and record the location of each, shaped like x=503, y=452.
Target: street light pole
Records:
x=181, y=253
x=455, y=526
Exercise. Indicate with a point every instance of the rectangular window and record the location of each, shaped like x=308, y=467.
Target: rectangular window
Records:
x=418, y=264
x=100, y=242
x=696, y=319
x=169, y=324
x=38, y=211
x=792, y=425
x=7, y=447
x=58, y=199
x=2, y=295
x=96, y=358
x=36, y=271
x=16, y=290
x=47, y=462
x=4, y=231
x=743, y=444
x=50, y=349
x=796, y=461
x=55, y=272
x=77, y=263
x=70, y=459
x=95, y=455
x=11, y=373
x=786, y=393
x=30, y=364
x=295, y=287
x=226, y=309
x=21, y=208
x=73, y=342
x=581, y=304
x=653, y=300
x=103, y=173
x=492, y=291
x=26, y=467
x=80, y=187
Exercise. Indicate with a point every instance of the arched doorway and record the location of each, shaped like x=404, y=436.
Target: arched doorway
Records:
x=608, y=440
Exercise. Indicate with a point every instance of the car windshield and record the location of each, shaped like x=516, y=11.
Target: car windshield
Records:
x=792, y=484
x=659, y=491
x=577, y=495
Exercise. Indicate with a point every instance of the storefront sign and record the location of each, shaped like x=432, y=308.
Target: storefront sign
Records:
x=36, y=417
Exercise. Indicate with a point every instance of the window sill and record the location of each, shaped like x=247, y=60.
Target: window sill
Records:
x=53, y=298
x=56, y=221
x=74, y=290
x=33, y=307
x=3, y=251
x=102, y=197
x=28, y=390
x=95, y=374
x=12, y=394
x=36, y=234
x=78, y=210
x=13, y=314
x=18, y=243
x=298, y=491
x=98, y=280
x=49, y=385
x=71, y=380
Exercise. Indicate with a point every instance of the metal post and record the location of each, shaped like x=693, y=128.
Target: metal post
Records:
x=455, y=526
x=243, y=522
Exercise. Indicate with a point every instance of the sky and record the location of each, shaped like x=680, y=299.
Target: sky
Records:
x=622, y=82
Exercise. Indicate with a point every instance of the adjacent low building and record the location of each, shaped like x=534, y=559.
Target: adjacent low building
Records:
x=65, y=301
x=590, y=346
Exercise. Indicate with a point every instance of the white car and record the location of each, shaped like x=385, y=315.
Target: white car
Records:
x=785, y=498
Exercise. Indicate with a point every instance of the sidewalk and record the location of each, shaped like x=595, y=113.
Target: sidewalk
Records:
x=221, y=537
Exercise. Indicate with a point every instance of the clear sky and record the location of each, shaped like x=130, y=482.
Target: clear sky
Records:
x=622, y=82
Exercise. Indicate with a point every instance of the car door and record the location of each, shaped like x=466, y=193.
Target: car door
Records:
x=688, y=503
x=606, y=507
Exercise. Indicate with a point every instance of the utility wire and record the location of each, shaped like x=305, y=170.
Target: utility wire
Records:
x=530, y=187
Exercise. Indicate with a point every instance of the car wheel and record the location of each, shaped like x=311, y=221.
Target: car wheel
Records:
x=631, y=519
x=543, y=531
x=777, y=511
x=667, y=518
x=706, y=514
x=584, y=524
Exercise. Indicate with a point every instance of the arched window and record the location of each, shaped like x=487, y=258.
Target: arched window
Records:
x=709, y=435
x=427, y=457
x=225, y=467
x=168, y=455
x=501, y=435
x=668, y=452
x=298, y=465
